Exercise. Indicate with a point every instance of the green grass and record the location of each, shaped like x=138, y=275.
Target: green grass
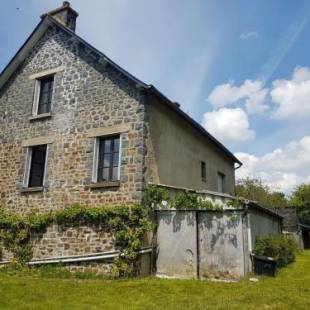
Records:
x=289, y=290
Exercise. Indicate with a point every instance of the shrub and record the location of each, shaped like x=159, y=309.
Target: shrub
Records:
x=280, y=247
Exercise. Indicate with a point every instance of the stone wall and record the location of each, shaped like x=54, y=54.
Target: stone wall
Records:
x=60, y=241
x=88, y=95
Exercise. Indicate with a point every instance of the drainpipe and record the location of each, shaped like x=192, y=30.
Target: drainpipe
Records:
x=249, y=233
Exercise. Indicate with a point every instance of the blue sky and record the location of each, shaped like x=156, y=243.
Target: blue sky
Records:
x=230, y=64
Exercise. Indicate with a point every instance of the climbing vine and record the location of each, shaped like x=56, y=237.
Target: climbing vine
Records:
x=128, y=223
x=155, y=195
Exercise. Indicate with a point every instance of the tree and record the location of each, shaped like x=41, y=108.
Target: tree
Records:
x=254, y=189
x=301, y=199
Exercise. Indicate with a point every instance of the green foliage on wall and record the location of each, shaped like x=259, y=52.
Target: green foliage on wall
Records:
x=185, y=200
x=128, y=223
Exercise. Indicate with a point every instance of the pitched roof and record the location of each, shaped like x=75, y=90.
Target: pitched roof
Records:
x=47, y=21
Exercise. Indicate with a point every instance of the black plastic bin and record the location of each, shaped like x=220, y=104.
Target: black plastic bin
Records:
x=264, y=265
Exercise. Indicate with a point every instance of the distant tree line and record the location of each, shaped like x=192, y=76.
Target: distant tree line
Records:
x=255, y=189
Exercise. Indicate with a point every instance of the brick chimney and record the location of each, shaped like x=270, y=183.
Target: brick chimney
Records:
x=64, y=15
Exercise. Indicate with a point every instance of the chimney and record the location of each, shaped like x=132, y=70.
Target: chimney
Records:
x=64, y=15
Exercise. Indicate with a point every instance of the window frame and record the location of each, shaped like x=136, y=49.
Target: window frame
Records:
x=28, y=162
x=203, y=171
x=96, y=159
x=37, y=93
x=223, y=181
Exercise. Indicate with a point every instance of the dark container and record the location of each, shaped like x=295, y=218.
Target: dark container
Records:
x=264, y=266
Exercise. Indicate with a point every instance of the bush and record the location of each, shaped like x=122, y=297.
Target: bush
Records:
x=280, y=247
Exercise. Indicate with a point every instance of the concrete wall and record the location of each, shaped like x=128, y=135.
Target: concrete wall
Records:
x=221, y=245
x=261, y=223
x=177, y=244
x=218, y=235
x=88, y=96
x=176, y=149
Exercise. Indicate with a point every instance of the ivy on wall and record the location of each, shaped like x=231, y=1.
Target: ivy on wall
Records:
x=129, y=224
x=186, y=200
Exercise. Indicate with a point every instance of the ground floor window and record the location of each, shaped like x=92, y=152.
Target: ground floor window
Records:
x=108, y=161
x=35, y=166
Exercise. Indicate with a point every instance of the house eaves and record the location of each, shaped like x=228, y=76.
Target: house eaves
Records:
x=47, y=21
x=256, y=206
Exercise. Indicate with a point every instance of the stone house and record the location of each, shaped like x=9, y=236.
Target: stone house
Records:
x=77, y=128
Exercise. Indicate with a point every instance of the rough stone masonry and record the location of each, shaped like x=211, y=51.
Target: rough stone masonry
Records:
x=89, y=98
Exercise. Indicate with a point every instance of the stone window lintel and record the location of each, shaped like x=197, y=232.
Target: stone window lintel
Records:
x=46, y=73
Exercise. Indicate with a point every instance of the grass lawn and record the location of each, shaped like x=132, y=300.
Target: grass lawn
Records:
x=289, y=290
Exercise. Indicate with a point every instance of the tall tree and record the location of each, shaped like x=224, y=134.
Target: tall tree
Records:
x=301, y=199
x=254, y=189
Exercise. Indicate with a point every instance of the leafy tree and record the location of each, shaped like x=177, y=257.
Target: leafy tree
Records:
x=301, y=199
x=254, y=189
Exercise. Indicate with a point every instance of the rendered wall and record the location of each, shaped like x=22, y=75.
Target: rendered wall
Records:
x=221, y=245
x=175, y=151
x=176, y=244
x=262, y=224
x=204, y=244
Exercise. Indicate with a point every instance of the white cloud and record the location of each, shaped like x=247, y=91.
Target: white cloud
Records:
x=248, y=35
x=228, y=125
x=292, y=96
x=282, y=169
x=252, y=93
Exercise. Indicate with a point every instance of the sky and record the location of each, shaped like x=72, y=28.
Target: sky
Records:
x=240, y=68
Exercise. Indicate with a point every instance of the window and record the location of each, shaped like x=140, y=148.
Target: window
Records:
x=43, y=95
x=108, y=159
x=35, y=167
x=203, y=168
x=220, y=182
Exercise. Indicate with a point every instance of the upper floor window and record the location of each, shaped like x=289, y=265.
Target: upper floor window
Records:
x=45, y=95
x=35, y=166
x=108, y=159
x=203, y=168
x=221, y=182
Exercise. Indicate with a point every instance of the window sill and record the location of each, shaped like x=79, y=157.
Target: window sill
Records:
x=40, y=116
x=104, y=184
x=32, y=189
